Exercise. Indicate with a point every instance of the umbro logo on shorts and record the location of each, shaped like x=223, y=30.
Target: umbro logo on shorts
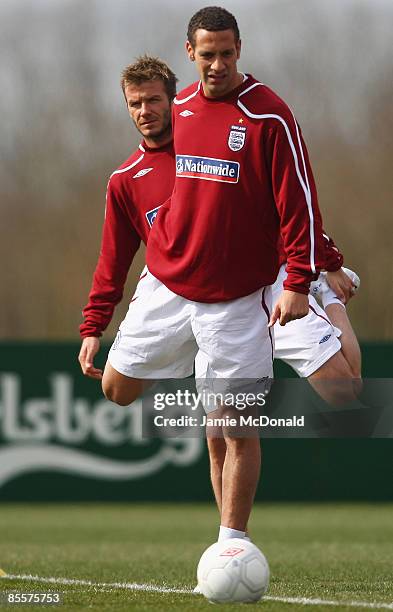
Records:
x=325, y=339
x=151, y=215
x=207, y=168
x=116, y=341
x=142, y=172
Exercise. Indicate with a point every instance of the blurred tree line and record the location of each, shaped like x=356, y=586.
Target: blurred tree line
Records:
x=65, y=128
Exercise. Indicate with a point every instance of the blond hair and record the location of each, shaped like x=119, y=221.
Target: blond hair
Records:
x=147, y=68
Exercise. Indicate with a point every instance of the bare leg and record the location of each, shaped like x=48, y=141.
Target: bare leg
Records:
x=334, y=381
x=121, y=389
x=217, y=450
x=239, y=480
x=349, y=343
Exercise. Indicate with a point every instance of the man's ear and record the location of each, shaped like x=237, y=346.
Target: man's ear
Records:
x=238, y=48
x=190, y=51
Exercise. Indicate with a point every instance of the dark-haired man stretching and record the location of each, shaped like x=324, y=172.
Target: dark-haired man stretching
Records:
x=242, y=178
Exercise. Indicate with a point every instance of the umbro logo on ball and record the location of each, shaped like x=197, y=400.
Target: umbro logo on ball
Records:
x=231, y=552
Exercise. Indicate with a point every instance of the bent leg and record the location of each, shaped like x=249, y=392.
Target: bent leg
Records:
x=334, y=381
x=311, y=346
x=349, y=344
x=121, y=389
x=154, y=341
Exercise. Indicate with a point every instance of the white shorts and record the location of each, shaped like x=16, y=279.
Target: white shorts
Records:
x=163, y=332
x=307, y=343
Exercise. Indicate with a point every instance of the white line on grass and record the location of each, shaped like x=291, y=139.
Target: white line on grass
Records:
x=153, y=588
x=129, y=586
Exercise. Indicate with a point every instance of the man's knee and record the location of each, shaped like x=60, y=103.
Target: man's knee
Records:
x=120, y=389
x=335, y=381
x=242, y=445
x=113, y=394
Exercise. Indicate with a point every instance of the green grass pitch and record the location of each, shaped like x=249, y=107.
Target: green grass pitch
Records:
x=335, y=552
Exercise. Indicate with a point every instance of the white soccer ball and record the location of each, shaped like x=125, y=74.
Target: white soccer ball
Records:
x=233, y=570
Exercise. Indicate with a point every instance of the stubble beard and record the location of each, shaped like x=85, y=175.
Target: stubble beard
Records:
x=164, y=133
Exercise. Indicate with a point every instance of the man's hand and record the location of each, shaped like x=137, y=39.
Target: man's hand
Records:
x=341, y=284
x=290, y=306
x=90, y=347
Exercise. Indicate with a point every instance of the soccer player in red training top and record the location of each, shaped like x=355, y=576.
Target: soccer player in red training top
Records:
x=135, y=191
x=242, y=179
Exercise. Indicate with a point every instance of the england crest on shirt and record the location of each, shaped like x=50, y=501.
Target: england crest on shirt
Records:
x=237, y=137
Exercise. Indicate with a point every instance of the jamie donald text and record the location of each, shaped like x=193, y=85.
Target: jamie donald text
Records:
x=242, y=420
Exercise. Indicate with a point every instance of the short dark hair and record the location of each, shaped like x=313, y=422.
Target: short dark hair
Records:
x=147, y=68
x=213, y=19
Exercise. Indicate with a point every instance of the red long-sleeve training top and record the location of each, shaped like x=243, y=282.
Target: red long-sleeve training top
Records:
x=135, y=191
x=242, y=177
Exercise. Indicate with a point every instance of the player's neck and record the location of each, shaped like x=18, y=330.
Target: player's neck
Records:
x=160, y=141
